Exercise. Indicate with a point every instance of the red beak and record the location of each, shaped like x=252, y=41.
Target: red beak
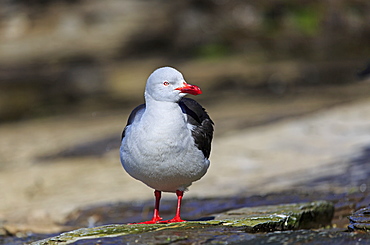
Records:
x=190, y=89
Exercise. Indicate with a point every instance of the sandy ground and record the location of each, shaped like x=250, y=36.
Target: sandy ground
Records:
x=260, y=159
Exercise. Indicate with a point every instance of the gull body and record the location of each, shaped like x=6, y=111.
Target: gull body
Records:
x=167, y=141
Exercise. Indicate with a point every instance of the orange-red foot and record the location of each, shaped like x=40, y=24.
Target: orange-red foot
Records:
x=152, y=221
x=176, y=219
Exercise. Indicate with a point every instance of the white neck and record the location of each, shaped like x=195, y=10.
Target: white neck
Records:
x=163, y=114
x=152, y=104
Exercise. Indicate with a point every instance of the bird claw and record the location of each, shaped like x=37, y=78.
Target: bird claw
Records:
x=145, y=223
x=155, y=220
x=174, y=220
x=150, y=222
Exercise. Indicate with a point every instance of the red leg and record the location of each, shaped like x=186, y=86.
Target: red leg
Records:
x=156, y=218
x=177, y=217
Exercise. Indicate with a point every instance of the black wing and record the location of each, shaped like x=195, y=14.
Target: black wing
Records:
x=132, y=116
x=203, y=125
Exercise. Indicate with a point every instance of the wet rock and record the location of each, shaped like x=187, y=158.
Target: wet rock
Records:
x=231, y=225
x=223, y=235
x=21, y=240
x=126, y=212
x=189, y=232
x=360, y=220
x=281, y=217
x=193, y=209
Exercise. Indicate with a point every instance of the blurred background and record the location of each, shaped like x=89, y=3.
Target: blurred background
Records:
x=65, y=56
x=286, y=82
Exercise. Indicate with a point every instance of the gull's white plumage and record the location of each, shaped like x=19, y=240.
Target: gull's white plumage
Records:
x=166, y=142
x=159, y=150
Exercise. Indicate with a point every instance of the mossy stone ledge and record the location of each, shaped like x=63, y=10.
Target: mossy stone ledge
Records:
x=234, y=223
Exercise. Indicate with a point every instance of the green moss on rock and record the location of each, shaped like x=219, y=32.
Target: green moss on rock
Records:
x=256, y=219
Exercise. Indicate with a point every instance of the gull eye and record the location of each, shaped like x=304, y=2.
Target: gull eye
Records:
x=165, y=83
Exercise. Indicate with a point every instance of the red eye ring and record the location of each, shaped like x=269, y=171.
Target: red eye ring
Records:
x=165, y=83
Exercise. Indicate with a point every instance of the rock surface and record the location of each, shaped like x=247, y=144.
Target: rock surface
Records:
x=237, y=222
x=360, y=220
x=282, y=217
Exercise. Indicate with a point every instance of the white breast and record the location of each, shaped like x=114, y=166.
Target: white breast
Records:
x=159, y=150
